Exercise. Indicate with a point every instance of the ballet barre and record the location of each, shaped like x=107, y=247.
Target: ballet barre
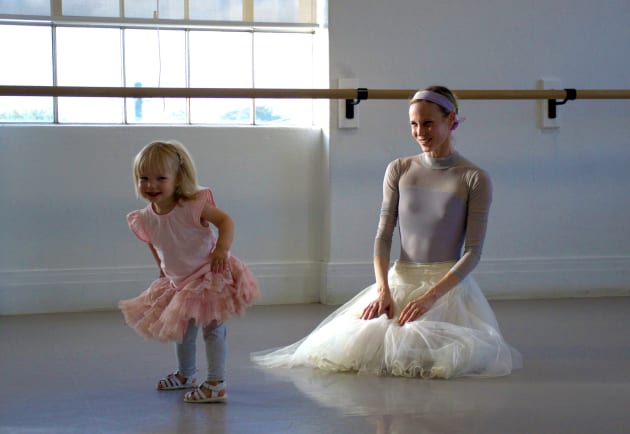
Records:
x=353, y=97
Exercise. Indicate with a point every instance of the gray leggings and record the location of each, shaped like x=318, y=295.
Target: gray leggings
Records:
x=214, y=336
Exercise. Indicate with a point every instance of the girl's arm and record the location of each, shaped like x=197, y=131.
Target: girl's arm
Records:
x=225, y=227
x=157, y=259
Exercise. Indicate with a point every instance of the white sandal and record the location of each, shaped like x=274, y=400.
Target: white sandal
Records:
x=172, y=382
x=200, y=394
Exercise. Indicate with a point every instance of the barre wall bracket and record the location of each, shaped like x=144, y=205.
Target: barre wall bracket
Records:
x=362, y=93
x=571, y=94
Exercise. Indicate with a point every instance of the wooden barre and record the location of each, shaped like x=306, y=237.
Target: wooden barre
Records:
x=347, y=94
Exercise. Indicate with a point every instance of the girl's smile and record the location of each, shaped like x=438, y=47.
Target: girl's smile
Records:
x=158, y=188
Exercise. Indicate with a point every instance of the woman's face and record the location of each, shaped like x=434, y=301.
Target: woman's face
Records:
x=431, y=128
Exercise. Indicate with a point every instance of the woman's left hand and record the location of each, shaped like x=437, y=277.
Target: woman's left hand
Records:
x=416, y=308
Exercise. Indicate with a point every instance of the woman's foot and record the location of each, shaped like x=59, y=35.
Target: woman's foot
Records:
x=176, y=381
x=207, y=392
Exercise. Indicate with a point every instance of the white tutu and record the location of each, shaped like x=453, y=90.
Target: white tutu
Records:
x=458, y=336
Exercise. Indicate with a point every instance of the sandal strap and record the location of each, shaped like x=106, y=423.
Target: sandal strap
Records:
x=199, y=395
x=172, y=381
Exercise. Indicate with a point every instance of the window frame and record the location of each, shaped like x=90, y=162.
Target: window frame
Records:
x=56, y=21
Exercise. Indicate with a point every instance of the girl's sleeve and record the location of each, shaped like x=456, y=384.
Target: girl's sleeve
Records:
x=201, y=199
x=134, y=220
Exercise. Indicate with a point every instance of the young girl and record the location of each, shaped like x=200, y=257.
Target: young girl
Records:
x=200, y=283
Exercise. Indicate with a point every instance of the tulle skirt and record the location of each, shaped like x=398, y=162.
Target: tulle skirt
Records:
x=163, y=311
x=458, y=336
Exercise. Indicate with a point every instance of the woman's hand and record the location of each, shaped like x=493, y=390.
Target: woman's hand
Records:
x=383, y=304
x=218, y=260
x=416, y=308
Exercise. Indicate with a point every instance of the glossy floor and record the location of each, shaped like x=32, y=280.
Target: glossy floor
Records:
x=89, y=373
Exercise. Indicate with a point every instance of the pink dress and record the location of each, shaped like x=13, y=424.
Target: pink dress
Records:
x=189, y=290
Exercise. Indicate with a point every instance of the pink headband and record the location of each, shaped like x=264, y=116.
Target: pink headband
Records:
x=439, y=99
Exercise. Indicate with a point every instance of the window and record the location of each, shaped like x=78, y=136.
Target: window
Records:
x=164, y=43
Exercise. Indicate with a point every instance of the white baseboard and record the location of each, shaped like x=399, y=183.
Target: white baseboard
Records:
x=69, y=290
x=554, y=277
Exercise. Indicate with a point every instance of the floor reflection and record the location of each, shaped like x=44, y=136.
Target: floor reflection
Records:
x=399, y=405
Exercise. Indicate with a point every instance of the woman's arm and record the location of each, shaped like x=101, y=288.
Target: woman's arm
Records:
x=418, y=307
x=383, y=303
x=479, y=200
x=383, y=244
x=225, y=227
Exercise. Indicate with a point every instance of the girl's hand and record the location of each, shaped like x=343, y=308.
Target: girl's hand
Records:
x=225, y=225
x=416, y=308
x=218, y=260
x=383, y=304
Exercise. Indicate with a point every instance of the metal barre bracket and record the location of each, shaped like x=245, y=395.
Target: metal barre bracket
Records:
x=362, y=93
x=571, y=95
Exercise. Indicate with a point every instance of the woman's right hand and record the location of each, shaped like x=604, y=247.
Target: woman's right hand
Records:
x=383, y=304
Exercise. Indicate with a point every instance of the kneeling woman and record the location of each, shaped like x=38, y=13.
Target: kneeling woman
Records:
x=425, y=316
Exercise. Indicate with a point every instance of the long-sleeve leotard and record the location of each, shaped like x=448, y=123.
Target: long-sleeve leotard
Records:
x=440, y=205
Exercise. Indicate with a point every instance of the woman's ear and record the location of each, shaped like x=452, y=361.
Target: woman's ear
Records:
x=452, y=116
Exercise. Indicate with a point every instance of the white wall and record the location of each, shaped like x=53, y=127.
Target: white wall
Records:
x=306, y=203
x=559, y=221
x=66, y=190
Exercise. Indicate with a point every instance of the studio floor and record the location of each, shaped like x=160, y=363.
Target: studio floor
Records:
x=89, y=373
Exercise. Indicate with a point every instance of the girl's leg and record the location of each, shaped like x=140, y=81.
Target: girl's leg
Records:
x=186, y=358
x=187, y=351
x=213, y=389
x=214, y=334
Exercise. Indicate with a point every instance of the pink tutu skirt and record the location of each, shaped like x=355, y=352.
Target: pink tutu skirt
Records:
x=163, y=311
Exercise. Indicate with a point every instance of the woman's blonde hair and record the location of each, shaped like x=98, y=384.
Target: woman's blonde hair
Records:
x=171, y=156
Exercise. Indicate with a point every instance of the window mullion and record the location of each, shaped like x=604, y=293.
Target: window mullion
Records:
x=123, y=66
x=253, y=119
x=187, y=71
x=53, y=30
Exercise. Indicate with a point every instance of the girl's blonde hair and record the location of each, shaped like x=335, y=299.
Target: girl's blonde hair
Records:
x=171, y=156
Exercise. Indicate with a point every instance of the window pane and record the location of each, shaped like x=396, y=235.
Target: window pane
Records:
x=92, y=8
x=164, y=9
x=155, y=58
x=27, y=60
x=25, y=7
x=296, y=72
x=218, y=10
x=89, y=57
x=219, y=60
x=284, y=11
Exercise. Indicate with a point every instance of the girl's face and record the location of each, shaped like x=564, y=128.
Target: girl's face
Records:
x=431, y=128
x=158, y=188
